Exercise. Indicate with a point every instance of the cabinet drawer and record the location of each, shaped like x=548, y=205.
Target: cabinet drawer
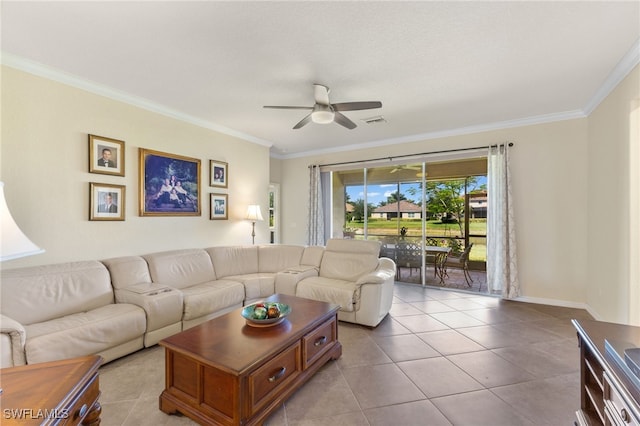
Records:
x=81, y=406
x=265, y=382
x=621, y=412
x=319, y=341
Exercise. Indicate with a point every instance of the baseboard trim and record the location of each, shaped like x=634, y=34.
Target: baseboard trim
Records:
x=556, y=302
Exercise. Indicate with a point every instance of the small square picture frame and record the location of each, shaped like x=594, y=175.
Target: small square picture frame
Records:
x=106, y=156
x=219, y=207
x=106, y=201
x=219, y=174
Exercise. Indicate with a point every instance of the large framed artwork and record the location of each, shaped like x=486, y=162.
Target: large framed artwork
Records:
x=106, y=156
x=169, y=184
x=218, y=174
x=106, y=202
x=219, y=207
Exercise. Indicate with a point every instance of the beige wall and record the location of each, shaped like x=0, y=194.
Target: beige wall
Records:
x=44, y=160
x=549, y=168
x=613, y=290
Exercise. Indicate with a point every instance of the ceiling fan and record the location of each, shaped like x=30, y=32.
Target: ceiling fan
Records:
x=324, y=112
x=406, y=167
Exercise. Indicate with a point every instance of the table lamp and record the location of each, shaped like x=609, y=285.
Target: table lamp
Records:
x=14, y=243
x=254, y=214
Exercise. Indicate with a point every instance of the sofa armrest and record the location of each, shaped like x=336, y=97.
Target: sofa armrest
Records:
x=13, y=338
x=162, y=304
x=385, y=271
x=286, y=281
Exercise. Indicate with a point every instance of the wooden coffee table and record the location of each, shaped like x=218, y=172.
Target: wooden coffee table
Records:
x=52, y=393
x=229, y=373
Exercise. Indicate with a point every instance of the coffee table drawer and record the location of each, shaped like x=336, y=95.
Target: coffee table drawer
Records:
x=84, y=403
x=319, y=341
x=266, y=381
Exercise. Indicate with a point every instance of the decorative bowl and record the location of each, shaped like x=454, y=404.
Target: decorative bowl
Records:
x=254, y=319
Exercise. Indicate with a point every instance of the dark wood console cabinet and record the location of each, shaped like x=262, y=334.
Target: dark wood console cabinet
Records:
x=608, y=396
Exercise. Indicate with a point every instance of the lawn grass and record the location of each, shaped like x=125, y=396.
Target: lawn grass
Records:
x=381, y=228
x=414, y=227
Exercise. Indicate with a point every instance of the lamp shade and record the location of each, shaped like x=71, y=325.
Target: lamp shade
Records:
x=253, y=213
x=14, y=244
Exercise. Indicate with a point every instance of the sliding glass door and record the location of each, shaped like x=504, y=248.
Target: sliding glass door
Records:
x=416, y=205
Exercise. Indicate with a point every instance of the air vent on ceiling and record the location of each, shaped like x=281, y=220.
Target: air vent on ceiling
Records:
x=375, y=120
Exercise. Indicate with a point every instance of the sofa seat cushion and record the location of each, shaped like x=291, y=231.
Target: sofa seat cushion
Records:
x=203, y=299
x=341, y=292
x=256, y=285
x=84, y=332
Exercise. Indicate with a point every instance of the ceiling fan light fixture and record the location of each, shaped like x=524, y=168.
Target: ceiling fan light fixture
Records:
x=322, y=114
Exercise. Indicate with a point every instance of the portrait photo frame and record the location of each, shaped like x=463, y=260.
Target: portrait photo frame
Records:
x=218, y=174
x=219, y=207
x=106, y=156
x=106, y=201
x=169, y=184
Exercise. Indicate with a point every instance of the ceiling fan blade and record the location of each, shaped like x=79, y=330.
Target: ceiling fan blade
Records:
x=286, y=107
x=342, y=120
x=321, y=94
x=354, y=106
x=302, y=122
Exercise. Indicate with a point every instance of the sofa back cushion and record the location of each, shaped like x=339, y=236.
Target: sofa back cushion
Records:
x=278, y=257
x=234, y=260
x=180, y=268
x=312, y=256
x=349, y=259
x=127, y=271
x=42, y=293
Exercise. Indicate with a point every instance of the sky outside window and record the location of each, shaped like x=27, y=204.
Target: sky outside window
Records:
x=378, y=193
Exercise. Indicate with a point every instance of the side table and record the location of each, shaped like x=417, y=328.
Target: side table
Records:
x=61, y=392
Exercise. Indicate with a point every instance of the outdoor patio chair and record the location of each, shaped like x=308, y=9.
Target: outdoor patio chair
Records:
x=388, y=250
x=408, y=255
x=461, y=262
x=430, y=259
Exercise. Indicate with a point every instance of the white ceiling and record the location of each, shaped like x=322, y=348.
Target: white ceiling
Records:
x=437, y=67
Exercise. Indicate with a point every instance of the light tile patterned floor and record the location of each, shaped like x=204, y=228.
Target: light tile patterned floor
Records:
x=440, y=358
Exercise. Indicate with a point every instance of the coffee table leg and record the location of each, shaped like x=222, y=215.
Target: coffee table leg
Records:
x=93, y=416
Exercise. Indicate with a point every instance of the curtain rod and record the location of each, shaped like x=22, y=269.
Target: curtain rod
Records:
x=408, y=155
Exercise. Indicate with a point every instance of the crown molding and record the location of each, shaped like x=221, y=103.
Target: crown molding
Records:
x=520, y=122
x=619, y=72
x=68, y=79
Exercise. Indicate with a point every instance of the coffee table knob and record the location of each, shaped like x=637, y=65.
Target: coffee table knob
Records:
x=278, y=374
x=320, y=341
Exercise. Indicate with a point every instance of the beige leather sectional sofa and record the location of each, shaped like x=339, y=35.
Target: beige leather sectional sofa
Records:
x=117, y=306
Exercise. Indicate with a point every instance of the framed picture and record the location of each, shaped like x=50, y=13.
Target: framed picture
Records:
x=219, y=206
x=169, y=184
x=106, y=156
x=219, y=171
x=106, y=201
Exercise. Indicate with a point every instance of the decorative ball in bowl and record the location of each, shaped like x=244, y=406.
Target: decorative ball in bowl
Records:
x=265, y=314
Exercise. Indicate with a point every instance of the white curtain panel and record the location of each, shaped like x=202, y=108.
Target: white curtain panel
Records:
x=502, y=261
x=315, y=225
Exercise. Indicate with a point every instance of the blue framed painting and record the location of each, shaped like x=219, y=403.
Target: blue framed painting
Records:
x=169, y=184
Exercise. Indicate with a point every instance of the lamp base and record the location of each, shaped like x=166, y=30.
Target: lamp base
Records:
x=253, y=233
